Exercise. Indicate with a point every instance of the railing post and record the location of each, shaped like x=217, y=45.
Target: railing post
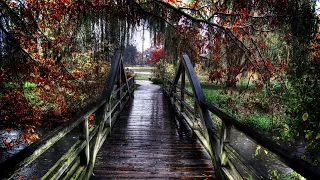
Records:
x=174, y=91
x=183, y=80
x=224, y=138
x=108, y=121
x=195, y=110
x=84, y=136
x=119, y=79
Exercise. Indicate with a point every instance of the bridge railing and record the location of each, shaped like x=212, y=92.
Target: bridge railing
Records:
x=194, y=108
x=78, y=161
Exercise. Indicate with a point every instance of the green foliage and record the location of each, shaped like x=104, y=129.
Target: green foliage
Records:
x=29, y=85
x=214, y=96
x=302, y=102
x=257, y=151
x=157, y=80
x=33, y=98
x=163, y=69
x=259, y=121
x=9, y=85
x=275, y=175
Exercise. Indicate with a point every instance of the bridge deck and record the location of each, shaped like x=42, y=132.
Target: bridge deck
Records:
x=147, y=141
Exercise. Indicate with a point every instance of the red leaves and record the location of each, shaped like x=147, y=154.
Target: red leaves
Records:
x=243, y=13
x=282, y=66
x=259, y=85
x=8, y=145
x=216, y=75
x=128, y=75
x=235, y=110
x=270, y=66
x=156, y=56
x=8, y=130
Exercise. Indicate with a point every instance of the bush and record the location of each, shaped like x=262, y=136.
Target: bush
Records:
x=157, y=80
x=163, y=69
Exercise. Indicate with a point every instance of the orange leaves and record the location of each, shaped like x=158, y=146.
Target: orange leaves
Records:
x=315, y=53
x=12, y=3
x=78, y=74
x=270, y=66
x=30, y=138
x=90, y=120
x=65, y=1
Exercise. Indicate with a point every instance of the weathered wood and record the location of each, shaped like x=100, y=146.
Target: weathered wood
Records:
x=291, y=160
x=11, y=166
x=183, y=81
x=84, y=136
x=69, y=157
x=185, y=67
x=218, y=144
x=72, y=170
x=148, y=142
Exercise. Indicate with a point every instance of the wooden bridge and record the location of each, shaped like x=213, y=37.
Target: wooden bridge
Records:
x=146, y=132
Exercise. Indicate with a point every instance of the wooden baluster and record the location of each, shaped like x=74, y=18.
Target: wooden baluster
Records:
x=183, y=80
x=224, y=138
x=119, y=79
x=174, y=91
x=84, y=136
x=108, y=120
x=195, y=110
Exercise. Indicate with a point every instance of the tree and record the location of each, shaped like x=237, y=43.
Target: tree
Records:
x=55, y=35
x=129, y=54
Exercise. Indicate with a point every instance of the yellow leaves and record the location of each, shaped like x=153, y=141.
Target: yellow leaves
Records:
x=305, y=116
x=308, y=135
x=46, y=87
x=31, y=138
x=257, y=152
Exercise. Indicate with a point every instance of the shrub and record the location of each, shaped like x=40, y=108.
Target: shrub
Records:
x=157, y=80
x=163, y=69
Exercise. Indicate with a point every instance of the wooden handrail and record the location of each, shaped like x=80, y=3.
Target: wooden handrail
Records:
x=293, y=161
x=218, y=144
x=81, y=156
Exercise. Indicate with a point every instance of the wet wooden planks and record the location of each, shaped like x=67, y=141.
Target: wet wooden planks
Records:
x=147, y=141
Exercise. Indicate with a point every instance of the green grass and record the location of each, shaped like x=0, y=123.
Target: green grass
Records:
x=214, y=95
x=257, y=118
x=259, y=121
x=141, y=76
